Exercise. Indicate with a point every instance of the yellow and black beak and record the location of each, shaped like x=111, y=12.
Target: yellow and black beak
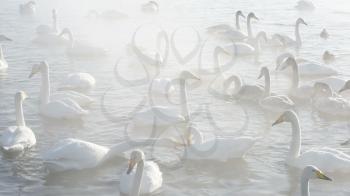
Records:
x=131, y=166
x=278, y=121
x=322, y=176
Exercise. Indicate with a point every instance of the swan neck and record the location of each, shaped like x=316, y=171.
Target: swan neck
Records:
x=267, y=84
x=19, y=113
x=238, y=27
x=249, y=28
x=184, y=104
x=198, y=137
x=238, y=84
x=137, y=180
x=294, y=151
x=45, y=86
x=297, y=35
x=304, y=185
x=216, y=60
x=295, y=79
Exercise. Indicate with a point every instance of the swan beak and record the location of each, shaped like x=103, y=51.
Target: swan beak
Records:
x=131, y=166
x=31, y=75
x=278, y=121
x=304, y=23
x=256, y=18
x=322, y=176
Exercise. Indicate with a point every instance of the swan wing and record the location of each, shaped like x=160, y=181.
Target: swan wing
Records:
x=166, y=116
x=73, y=154
x=219, y=28
x=17, y=139
x=250, y=92
x=63, y=109
x=315, y=69
x=79, y=98
x=277, y=102
x=79, y=81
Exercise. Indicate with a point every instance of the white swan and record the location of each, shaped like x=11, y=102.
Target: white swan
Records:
x=275, y=103
x=306, y=68
x=80, y=49
x=299, y=93
x=287, y=41
x=328, y=102
x=3, y=63
x=217, y=148
x=226, y=27
x=161, y=86
x=310, y=172
x=74, y=154
x=327, y=159
x=334, y=82
x=78, y=82
x=18, y=138
x=5, y=38
x=47, y=29
x=28, y=8
x=150, y=7
x=248, y=92
x=167, y=115
x=145, y=180
x=328, y=57
x=324, y=34
x=305, y=5
x=64, y=108
x=235, y=35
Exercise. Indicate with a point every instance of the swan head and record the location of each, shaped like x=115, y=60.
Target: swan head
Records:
x=301, y=21
x=287, y=116
x=312, y=172
x=136, y=156
x=322, y=89
x=240, y=13
x=263, y=72
x=252, y=15
x=185, y=75
x=289, y=62
x=345, y=87
x=21, y=96
x=281, y=59
x=37, y=68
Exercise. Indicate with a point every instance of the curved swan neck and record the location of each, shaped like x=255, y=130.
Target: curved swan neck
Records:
x=19, y=112
x=294, y=150
x=297, y=34
x=184, y=104
x=45, y=85
x=135, y=191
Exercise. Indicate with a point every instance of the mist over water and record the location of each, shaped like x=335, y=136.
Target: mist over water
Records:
x=262, y=171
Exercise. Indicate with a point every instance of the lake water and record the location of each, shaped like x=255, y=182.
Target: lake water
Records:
x=263, y=170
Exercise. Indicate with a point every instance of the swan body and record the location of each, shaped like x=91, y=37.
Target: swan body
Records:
x=276, y=103
x=80, y=49
x=145, y=180
x=167, y=115
x=244, y=91
x=150, y=7
x=3, y=62
x=18, y=138
x=307, y=68
x=240, y=49
x=64, y=108
x=288, y=41
x=4, y=38
x=310, y=172
x=28, y=8
x=78, y=82
x=334, y=82
x=305, y=5
x=218, y=148
x=227, y=27
x=327, y=102
x=162, y=86
x=327, y=159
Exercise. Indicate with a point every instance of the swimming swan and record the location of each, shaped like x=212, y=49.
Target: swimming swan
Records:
x=310, y=172
x=18, y=138
x=81, y=82
x=151, y=7
x=3, y=63
x=305, y=5
x=291, y=42
x=28, y=8
x=64, y=108
x=145, y=180
x=226, y=27
x=167, y=115
x=80, y=49
x=327, y=159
